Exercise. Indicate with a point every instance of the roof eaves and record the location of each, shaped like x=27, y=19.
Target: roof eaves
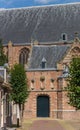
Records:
x=41, y=69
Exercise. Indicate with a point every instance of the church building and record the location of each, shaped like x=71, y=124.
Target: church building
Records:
x=44, y=39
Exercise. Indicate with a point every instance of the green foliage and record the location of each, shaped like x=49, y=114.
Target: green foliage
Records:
x=19, y=84
x=3, y=58
x=74, y=83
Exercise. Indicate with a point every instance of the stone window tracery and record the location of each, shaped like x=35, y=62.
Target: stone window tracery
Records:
x=23, y=57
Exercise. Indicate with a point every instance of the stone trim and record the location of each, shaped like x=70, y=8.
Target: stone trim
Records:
x=64, y=110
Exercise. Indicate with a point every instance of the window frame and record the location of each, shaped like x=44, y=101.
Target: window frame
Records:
x=23, y=56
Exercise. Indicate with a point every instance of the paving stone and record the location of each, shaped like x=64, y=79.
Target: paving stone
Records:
x=46, y=125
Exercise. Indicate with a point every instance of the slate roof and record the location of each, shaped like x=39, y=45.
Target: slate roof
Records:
x=46, y=24
x=53, y=54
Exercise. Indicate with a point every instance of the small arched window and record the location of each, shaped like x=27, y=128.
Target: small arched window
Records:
x=64, y=36
x=23, y=57
x=43, y=63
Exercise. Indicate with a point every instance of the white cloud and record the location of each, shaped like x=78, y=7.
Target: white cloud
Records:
x=54, y=1
x=44, y=1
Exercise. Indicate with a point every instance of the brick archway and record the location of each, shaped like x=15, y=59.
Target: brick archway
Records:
x=43, y=106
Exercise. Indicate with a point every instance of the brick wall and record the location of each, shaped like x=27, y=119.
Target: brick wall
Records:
x=59, y=107
x=13, y=52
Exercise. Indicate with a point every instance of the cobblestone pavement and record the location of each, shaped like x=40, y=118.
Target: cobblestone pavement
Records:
x=46, y=125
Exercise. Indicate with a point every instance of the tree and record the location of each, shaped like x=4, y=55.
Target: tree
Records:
x=19, y=85
x=74, y=83
x=3, y=58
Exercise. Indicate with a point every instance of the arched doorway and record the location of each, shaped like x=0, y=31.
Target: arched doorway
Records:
x=43, y=106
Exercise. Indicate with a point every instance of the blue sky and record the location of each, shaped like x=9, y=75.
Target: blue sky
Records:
x=25, y=3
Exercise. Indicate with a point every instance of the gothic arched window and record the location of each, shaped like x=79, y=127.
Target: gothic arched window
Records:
x=23, y=57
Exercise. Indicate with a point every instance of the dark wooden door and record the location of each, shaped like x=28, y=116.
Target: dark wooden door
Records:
x=43, y=106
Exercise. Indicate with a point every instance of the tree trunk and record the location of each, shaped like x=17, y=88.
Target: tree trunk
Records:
x=21, y=114
x=18, y=115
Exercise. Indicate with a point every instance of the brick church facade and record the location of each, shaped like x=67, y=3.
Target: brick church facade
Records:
x=46, y=85
x=45, y=57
